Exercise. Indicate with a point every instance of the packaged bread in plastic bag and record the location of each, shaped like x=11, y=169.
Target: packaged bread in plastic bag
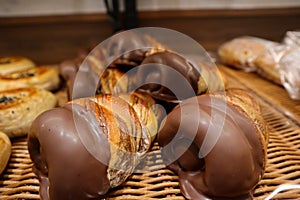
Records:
x=289, y=64
x=242, y=52
x=274, y=61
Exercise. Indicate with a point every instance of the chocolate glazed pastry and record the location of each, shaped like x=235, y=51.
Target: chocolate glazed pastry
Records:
x=90, y=145
x=234, y=165
x=169, y=69
x=88, y=82
x=120, y=43
x=160, y=72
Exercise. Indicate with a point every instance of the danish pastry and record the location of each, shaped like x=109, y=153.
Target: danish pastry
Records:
x=19, y=107
x=11, y=64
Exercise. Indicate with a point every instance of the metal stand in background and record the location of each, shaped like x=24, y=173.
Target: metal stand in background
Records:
x=121, y=21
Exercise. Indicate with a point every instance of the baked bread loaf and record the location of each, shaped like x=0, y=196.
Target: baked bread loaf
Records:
x=216, y=144
x=11, y=64
x=242, y=52
x=99, y=140
x=5, y=150
x=42, y=77
x=19, y=107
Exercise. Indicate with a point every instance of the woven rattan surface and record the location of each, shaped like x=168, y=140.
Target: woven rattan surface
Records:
x=272, y=93
x=153, y=181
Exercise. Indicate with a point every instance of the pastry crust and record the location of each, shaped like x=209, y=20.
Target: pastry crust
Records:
x=11, y=64
x=5, y=150
x=267, y=67
x=42, y=77
x=128, y=132
x=19, y=107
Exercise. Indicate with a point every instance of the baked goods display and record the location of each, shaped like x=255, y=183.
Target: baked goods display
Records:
x=5, y=150
x=151, y=70
x=117, y=100
x=234, y=164
x=108, y=136
x=42, y=77
x=9, y=64
x=25, y=92
x=19, y=107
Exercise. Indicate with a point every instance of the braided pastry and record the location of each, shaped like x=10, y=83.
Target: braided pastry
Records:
x=231, y=161
x=155, y=70
x=169, y=69
x=100, y=140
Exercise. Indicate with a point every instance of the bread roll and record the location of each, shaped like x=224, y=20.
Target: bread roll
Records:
x=19, y=107
x=40, y=77
x=11, y=64
x=5, y=150
x=242, y=52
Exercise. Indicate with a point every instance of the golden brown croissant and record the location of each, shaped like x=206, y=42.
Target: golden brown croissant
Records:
x=90, y=145
x=216, y=144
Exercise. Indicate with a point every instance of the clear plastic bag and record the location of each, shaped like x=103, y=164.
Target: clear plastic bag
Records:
x=289, y=69
x=243, y=51
x=289, y=64
x=277, y=62
x=292, y=38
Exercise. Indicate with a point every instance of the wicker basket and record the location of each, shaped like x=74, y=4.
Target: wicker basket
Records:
x=153, y=181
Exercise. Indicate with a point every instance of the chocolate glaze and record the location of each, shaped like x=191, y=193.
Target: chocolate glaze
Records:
x=68, y=70
x=65, y=168
x=166, y=77
x=83, y=72
x=120, y=43
x=234, y=165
